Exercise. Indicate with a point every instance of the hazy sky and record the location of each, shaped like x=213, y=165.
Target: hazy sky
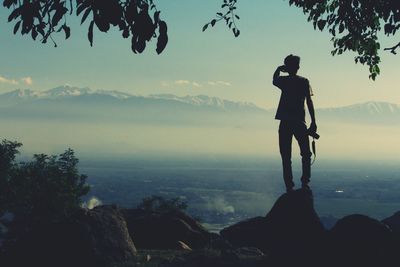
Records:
x=212, y=63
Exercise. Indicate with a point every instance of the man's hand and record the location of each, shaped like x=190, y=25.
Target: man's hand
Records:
x=313, y=127
x=282, y=68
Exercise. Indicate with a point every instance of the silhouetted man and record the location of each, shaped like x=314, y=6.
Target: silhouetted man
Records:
x=295, y=91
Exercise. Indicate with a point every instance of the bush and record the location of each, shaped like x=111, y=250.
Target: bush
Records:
x=47, y=187
x=162, y=205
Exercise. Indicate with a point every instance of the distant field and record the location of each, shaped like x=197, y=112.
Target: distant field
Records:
x=232, y=192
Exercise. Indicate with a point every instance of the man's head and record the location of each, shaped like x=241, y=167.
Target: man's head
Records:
x=292, y=64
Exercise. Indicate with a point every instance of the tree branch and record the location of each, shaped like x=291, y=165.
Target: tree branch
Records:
x=393, y=49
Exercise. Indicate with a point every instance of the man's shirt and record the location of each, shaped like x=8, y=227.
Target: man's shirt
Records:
x=294, y=89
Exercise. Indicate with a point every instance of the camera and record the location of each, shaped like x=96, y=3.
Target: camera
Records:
x=313, y=134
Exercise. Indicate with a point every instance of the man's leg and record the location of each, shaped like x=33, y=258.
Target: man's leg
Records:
x=285, y=147
x=301, y=135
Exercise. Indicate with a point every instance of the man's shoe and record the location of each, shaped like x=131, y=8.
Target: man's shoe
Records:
x=305, y=186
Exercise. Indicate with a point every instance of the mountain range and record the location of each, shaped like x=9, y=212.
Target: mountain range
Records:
x=75, y=93
x=74, y=103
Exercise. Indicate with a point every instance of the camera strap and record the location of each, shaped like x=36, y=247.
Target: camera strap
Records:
x=314, y=150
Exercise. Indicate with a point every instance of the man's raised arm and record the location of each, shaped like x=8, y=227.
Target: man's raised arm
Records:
x=277, y=75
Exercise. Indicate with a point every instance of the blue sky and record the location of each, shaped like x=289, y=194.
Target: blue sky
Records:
x=212, y=63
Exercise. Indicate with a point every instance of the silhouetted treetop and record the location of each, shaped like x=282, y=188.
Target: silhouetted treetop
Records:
x=353, y=24
x=45, y=187
x=138, y=20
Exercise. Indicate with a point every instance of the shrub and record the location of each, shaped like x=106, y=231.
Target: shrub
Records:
x=161, y=204
x=47, y=187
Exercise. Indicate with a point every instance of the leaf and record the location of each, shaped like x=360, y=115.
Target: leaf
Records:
x=156, y=17
x=205, y=27
x=102, y=23
x=34, y=33
x=341, y=28
x=67, y=31
x=16, y=12
x=85, y=15
x=60, y=11
x=125, y=33
x=213, y=22
x=8, y=3
x=16, y=27
x=236, y=32
x=162, y=38
x=80, y=9
x=321, y=24
x=40, y=29
x=90, y=33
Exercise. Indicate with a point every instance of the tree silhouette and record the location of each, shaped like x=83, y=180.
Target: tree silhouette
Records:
x=353, y=24
x=136, y=19
x=43, y=188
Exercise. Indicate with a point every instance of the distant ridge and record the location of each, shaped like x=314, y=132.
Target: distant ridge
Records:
x=66, y=91
x=371, y=107
x=57, y=102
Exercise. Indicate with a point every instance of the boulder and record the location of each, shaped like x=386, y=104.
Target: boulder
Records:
x=292, y=225
x=393, y=222
x=250, y=232
x=97, y=237
x=108, y=234
x=217, y=242
x=248, y=252
x=153, y=230
x=358, y=240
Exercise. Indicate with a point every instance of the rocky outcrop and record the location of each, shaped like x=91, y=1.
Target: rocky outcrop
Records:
x=358, y=240
x=393, y=222
x=291, y=234
x=152, y=230
x=97, y=237
x=108, y=234
x=292, y=225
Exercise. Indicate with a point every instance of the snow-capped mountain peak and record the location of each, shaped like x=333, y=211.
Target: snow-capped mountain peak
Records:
x=60, y=92
x=381, y=107
x=368, y=108
x=21, y=93
x=66, y=91
x=204, y=100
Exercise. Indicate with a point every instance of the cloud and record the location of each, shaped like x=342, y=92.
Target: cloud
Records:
x=224, y=83
x=9, y=81
x=187, y=82
x=196, y=84
x=220, y=83
x=27, y=80
x=182, y=82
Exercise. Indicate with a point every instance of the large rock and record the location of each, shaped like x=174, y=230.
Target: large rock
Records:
x=97, y=237
x=393, y=222
x=291, y=227
x=358, y=240
x=108, y=233
x=151, y=230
